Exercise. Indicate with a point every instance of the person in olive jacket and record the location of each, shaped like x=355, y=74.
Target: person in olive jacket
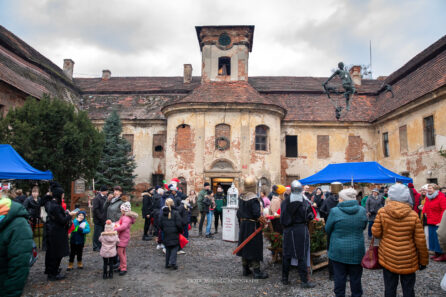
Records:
x=16, y=243
x=57, y=226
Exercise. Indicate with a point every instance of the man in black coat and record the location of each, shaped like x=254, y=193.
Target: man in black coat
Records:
x=99, y=216
x=147, y=208
x=57, y=232
x=295, y=214
x=250, y=214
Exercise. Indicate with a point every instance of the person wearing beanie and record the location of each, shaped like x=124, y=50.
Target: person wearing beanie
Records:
x=372, y=205
x=345, y=231
x=201, y=207
x=99, y=216
x=77, y=241
x=171, y=225
x=57, y=226
x=434, y=208
x=402, y=248
x=128, y=218
x=109, y=238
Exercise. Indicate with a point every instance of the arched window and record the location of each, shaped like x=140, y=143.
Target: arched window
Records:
x=183, y=139
x=224, y=66
x=222, y=136
x=261, y=138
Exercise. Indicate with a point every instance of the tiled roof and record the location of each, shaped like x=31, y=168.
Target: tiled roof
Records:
x=318, y=108
x=30, y=56
x=291, y=84
x=225, y=92
x=425, y=73
x=135, y=85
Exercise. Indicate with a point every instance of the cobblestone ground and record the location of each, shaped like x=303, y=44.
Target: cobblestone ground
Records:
x=207, y=269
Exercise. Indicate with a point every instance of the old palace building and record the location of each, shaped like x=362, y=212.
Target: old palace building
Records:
x=225, y=125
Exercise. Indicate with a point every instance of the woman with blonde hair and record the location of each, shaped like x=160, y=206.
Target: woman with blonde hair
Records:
x=170, y=224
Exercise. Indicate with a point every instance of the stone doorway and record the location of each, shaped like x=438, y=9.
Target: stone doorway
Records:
x=225, y=183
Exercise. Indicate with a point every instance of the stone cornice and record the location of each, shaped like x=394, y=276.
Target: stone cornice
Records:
x=232, y=107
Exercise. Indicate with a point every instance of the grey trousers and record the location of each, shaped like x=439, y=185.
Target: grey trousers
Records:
x=171, y=255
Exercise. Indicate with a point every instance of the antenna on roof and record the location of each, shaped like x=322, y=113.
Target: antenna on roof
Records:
x=370, y=51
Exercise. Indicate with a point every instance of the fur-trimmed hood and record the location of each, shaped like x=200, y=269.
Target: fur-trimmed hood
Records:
x=248, y=196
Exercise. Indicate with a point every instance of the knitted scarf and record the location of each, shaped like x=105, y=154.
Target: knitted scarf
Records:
x=434, y=195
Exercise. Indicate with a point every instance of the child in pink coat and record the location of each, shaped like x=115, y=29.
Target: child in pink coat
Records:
x=127, y=219
x=109, y=238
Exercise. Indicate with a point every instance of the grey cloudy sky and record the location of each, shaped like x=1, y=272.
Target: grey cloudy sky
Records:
x=155, y=38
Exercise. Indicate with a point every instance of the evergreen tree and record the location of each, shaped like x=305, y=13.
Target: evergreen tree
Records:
x=116, y=166
x=51, y=134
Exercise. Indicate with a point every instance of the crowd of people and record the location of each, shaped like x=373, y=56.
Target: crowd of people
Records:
x=404, y=223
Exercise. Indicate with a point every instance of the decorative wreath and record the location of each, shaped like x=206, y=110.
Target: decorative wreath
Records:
x=220, y=146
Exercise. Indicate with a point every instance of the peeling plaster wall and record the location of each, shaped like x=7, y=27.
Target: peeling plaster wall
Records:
x=418, y=160
x=195, y=165
x=146, y=164
x=239, y=55
x=307, y=163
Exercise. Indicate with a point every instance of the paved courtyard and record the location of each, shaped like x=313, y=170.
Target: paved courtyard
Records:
x=207, y=269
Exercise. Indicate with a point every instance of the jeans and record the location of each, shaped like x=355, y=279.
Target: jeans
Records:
x=218, y=216
x=76, y=250
x=98, y=229
x=370, y=228
x=391, y=283
x=209, y=221
x=171, y=255
x=122, y=258
x=202, y=217
x=341, y=270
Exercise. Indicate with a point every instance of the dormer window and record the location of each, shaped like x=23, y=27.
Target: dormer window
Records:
x=224, y=66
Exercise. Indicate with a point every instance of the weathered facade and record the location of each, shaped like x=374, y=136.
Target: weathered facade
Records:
x=225, y=125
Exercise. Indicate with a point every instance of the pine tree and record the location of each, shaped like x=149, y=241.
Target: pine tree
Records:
x=116, y=166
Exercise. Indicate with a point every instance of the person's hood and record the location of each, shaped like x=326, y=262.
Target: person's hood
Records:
x=397, y=210
x=133, y=215
x=349, y=207
x=9, y=210
x=109, y=237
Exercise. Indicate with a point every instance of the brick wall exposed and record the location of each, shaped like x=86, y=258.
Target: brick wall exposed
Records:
x=183, y=138
x=323, y=146
x=353, y=152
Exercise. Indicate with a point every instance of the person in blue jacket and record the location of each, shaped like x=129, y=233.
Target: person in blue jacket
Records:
x=77, y=240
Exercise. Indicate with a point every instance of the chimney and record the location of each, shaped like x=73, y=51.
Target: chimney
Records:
x=187, y=73
x=106, y=74
x=356, y=75
x=68, y=66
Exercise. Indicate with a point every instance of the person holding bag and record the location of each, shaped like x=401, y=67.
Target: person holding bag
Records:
x=345, y=229
x=402, y=249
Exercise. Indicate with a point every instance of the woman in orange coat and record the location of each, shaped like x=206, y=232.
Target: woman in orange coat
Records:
x=402, y=249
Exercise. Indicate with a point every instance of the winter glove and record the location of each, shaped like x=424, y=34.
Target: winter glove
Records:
x=422, y=267
x=82, y=225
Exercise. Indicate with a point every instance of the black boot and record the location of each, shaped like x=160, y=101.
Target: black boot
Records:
x=246, y=270
x=110, y=271
x=260, y=274
x=105, y=275
x=286, y=263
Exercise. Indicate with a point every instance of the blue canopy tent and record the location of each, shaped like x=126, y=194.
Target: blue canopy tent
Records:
x=13, y=166
x=357, y=172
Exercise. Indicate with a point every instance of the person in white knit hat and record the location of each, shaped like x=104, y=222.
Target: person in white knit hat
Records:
x=127, y=219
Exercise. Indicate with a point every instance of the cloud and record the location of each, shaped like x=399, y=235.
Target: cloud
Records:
x=155, y=38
